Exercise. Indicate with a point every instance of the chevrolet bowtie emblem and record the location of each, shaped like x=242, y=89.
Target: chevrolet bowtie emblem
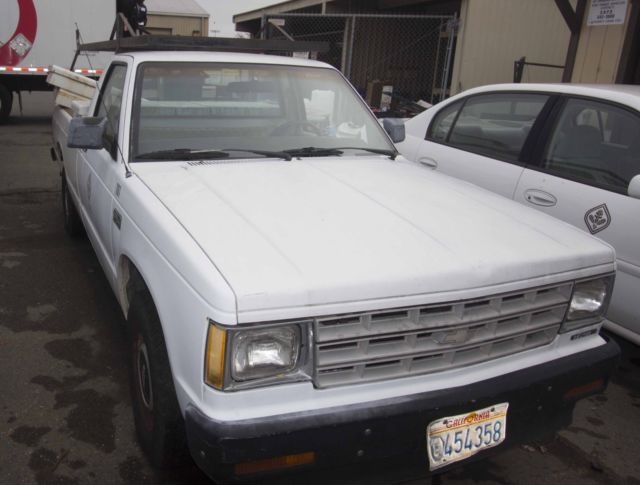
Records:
x=456, y=337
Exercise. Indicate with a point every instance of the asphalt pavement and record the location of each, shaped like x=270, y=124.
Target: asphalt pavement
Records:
x=65, y=412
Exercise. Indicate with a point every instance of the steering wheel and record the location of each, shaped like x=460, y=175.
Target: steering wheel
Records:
x=296, y=128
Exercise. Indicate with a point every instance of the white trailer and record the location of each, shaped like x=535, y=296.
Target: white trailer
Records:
x=36, y=34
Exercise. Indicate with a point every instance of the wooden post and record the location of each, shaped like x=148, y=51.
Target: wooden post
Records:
x=573, y=20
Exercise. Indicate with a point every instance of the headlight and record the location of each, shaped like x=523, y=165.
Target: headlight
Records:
x=238, y=358
x=589, y=302
x=263, y=353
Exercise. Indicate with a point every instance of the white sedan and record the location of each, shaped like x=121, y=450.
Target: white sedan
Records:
x=572, y=151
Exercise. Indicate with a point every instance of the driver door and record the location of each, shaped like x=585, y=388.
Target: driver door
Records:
x=99, y=170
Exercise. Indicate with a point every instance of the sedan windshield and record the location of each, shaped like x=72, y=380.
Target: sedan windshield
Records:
x=244, y=109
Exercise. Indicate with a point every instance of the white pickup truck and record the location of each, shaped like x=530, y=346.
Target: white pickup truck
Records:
x=298, y=295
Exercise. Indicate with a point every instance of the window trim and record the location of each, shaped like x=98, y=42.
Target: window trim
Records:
x=113, y=149
x=429, y=133
x=524, y=156
x=537, y=160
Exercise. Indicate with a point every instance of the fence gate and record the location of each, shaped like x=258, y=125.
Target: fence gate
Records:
x=413, y=53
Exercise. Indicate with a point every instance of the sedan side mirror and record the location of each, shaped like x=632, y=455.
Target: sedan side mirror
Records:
x=87, y=133
x=634, y=187
x=395, y=129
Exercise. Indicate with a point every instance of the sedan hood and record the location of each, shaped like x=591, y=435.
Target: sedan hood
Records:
x=332, y=230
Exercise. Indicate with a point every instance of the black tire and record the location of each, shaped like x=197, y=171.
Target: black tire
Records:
x=72, y=222
x=6, y=103
x=159, y=424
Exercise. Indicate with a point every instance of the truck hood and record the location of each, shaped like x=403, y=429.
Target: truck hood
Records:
x=330, y=230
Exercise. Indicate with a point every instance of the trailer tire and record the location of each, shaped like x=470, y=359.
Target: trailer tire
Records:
x=6, y=103
x=159, y=423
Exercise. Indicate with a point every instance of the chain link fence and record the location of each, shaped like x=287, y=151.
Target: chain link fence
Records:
x=411, y=53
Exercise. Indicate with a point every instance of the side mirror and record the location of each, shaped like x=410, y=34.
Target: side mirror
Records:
x=395, y=129
x=87, y=133
x=634, y=187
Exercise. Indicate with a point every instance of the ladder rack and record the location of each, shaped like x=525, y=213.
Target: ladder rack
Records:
x=213, y=44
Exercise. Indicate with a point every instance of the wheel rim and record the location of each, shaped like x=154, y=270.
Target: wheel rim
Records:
x=144, y=376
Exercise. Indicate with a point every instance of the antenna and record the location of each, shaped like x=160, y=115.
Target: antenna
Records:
x=80, y=41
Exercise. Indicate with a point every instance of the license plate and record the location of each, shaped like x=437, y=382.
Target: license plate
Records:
x=455, y=438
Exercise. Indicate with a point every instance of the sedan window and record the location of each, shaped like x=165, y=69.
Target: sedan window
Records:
x=596, y=144
x=497, y=125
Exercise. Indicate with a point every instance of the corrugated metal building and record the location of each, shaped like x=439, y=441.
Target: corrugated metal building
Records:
x=490, y=36
x=494, y=33
x=177, y=17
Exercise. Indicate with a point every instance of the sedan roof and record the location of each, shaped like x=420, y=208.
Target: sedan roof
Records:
x=619, y=93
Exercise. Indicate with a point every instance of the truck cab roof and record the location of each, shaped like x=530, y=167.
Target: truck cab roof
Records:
x=228, y=57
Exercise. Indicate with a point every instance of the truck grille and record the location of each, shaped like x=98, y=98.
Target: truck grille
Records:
x=388, y=344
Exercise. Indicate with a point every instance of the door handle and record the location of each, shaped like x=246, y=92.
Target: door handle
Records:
x=540, y=197
x=428, y=162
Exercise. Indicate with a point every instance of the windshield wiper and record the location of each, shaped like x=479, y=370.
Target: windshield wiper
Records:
x=190, y=154
x=182, y=154
x=337, y=151
x=266, y=153
x=314, y=152
x=392, y=154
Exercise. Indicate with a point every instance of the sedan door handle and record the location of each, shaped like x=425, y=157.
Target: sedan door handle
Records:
x=540, y=197
x=428, y=162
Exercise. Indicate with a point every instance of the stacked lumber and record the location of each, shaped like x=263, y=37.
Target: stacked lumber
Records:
x=70, y=86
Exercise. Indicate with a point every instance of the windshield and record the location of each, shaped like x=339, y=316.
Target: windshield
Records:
x=191, y=106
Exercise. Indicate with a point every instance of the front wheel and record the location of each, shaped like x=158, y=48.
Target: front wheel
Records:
x=159, y=424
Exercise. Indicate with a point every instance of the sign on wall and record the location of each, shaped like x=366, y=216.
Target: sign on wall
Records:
x=607, y=12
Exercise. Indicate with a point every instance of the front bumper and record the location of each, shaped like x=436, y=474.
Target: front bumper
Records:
x=392, y=432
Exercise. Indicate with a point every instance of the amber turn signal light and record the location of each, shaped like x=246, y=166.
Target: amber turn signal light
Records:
x=277, y=463
x=214, y=357
x=581, y=391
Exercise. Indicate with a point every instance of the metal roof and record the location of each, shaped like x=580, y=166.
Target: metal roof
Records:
x=187, y=8
x=286, y=6
x=277, y=7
